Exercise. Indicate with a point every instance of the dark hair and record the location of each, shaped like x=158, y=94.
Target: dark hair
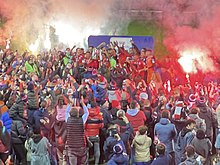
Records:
x=189, y=122
x=36, y=130
x=165, y=114
x=190, y=150
x=133, y=104
x=161, y=148
x=194, y=110
x=74, y=112
x=142, y=129
x=200, y=134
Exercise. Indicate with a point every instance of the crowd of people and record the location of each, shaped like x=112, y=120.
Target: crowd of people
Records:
x=103, y=106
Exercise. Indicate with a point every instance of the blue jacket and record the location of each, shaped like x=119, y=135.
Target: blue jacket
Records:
x=100, y=93
x=166, y=133
x=6, y=121
x=162, y=160
x=119, y=159
x=40, y=114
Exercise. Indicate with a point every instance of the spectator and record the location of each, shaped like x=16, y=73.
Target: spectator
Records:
x=141, y=144
x=166, y=132
x=125, y=129
x=4, y=116
x=162, y=157
x=4, y=143
x=190, y=156
x=200, y=123
x=208, y=115
x=59, y=127
x=19, y=129
x=39, y=146
x=92, y=127
x=33, y=101
x=119, y=156
x=112, y=139
x=41, y=118
x=75, y=136
x=135, y=116
x=202, y=146
x=184, y=139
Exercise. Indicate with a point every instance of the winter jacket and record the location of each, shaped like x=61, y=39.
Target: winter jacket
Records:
x=18, y=131
x=17, y=108
x=166, y=133
x=190, y=161
x=41, y=113
x=33, y=100
x=200, y=123
x=114, y=95
x=141, y=144
x=108, y=147
x=4, y=116
x=136, y=118
x=202, y=146
x=39, y=147
x=119, y=159
x=75, y=138
x=162, y=160
x=100, y=92
x=94, y=122
x=184, y=139
x=209, y=117
x=106, y=116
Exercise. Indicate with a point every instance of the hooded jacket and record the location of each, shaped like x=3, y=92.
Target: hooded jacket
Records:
x=39, y=147
x=200, y=123
x=17, y=108
x=190, y=161
x=136, y=118
x=33, y=100
x=141, y=144
x=202, y=146
x=209, y=117
x=166, y=133
x=94, y=122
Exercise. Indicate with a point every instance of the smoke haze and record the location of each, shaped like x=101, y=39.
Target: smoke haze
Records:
x=188, y=22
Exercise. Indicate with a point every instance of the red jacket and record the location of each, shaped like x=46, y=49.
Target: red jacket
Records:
x=136, y=117
x=94, y=122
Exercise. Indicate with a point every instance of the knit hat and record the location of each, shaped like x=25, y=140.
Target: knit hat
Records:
x=113, y=85
x=202, y=100
x=101, y=79
x=115, y=103
x=117, y=149
x=120, y=113
x=94, y=72
x=30, y=86
x=192, y=98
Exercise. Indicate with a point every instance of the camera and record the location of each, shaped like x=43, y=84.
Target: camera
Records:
x=113, y=132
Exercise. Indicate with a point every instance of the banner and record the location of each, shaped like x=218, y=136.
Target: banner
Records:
x=140, y=41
